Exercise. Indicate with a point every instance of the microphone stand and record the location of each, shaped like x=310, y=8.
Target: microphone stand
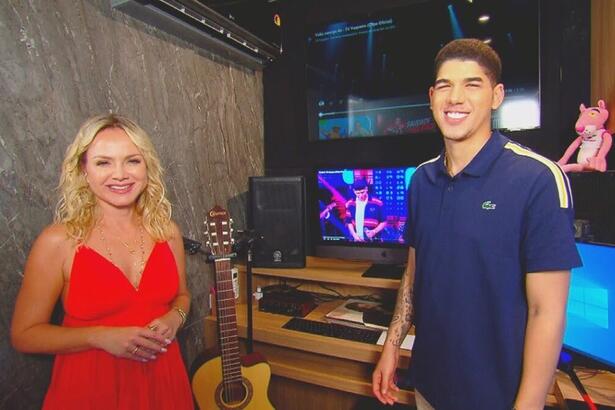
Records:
x=249, y=331
x=248, y=240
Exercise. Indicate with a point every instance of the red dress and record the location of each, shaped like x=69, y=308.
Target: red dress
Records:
x=100, y=295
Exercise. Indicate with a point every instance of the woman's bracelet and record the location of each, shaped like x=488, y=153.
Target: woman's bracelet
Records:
x=182, y=315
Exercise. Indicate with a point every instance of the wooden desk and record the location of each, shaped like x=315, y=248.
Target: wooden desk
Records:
x=337, y=364
x=340, y=365
x=600, y=386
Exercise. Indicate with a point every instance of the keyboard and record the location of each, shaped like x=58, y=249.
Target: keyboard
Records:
x=333, y=330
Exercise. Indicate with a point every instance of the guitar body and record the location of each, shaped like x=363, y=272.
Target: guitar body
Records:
x=207, y=384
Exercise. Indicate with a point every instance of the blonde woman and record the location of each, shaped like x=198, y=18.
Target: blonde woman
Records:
x=115, y=259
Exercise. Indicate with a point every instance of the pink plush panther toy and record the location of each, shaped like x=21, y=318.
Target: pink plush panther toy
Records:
x=594, y=141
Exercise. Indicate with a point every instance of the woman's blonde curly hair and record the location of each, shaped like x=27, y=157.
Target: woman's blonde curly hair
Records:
x=77, y=205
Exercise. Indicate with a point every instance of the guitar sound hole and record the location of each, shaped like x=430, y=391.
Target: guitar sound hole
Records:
x=234, y=396
x=234, y=393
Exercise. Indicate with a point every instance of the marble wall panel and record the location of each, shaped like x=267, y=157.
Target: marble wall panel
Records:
x=62, y=61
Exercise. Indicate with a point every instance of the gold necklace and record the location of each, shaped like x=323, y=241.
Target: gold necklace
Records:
x=138, y=264
x=130, y=251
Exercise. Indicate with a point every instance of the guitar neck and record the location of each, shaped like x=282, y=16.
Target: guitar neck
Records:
x=227, y=322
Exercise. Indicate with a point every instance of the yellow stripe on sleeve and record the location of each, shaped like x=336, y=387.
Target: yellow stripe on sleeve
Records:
x=560, y=179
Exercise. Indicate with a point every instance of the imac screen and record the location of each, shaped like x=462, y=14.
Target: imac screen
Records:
x=363, y=206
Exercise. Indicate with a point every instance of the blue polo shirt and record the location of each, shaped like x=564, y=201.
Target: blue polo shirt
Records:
x=507, y=214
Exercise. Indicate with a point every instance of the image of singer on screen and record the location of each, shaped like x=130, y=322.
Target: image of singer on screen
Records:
x=363, y=206
x=364, y=214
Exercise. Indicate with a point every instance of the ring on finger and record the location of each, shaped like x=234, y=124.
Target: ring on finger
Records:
x=153, y=328
x=136, y=349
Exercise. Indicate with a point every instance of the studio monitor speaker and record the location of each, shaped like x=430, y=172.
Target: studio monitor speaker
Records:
x=277, y=214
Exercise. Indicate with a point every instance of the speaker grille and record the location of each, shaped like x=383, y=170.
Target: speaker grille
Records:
x=277, y=213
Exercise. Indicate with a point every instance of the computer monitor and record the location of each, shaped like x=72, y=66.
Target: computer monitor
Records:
x=361, y=213
x=590, y=328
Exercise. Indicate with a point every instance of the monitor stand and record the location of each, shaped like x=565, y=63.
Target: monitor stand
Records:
x=384, y=271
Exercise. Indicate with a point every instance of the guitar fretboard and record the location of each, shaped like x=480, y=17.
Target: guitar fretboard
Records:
x=227, y=326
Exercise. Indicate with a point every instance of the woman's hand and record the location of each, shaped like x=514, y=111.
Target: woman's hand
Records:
x=134, y=343
x=166, y=325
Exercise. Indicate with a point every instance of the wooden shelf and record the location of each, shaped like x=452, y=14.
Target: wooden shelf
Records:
x=309, y=358
x=314, y=369
x=335, y=271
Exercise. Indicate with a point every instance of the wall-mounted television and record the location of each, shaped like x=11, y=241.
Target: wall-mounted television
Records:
x=590, y=319
x=361, y=213
x=368, y=75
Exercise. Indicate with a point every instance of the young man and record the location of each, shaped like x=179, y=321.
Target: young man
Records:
x=491, y=248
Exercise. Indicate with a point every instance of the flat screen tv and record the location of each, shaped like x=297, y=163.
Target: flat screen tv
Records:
x=590, y=327
x=369, y=75
x=361, y=213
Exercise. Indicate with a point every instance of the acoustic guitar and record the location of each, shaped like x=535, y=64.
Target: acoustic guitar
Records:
x=226, y=380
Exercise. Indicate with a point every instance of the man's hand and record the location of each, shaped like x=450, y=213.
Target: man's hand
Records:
x=383, y=378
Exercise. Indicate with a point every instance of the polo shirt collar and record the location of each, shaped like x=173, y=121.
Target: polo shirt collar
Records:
x=480, y=163
x=487, y=155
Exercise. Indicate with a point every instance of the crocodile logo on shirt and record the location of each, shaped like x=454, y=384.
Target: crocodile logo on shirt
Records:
x=488, y=206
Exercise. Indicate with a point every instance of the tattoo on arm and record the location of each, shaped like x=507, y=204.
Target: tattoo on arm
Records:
x=402, y=317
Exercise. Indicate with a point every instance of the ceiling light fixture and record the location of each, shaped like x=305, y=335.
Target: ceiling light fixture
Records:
x=483, y=19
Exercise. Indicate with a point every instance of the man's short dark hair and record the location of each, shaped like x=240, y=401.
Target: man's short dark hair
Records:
x=359, y=184
x=473, y=50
